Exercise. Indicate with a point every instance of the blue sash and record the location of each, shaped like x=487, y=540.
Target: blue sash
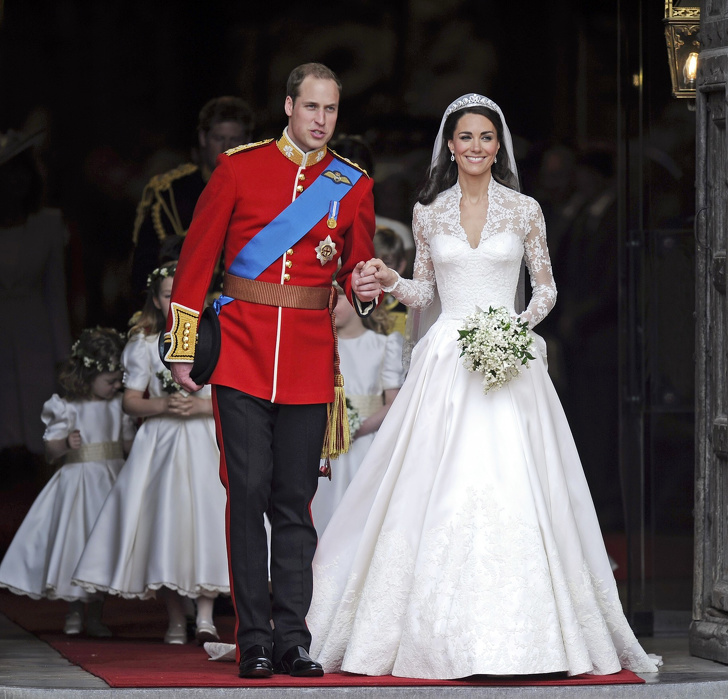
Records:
x=295, y=221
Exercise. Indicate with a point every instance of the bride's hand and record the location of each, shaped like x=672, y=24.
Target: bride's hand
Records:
x=383, y=274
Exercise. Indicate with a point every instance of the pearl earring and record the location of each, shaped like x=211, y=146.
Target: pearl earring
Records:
x=452, y=156
x=495, y=159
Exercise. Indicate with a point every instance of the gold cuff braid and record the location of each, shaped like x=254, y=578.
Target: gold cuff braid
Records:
x=183, y=334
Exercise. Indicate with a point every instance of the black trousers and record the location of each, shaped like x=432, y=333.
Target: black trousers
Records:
x=269, y=460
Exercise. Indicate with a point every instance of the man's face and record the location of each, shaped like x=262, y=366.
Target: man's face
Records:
x=222, y=136
x=312, y=117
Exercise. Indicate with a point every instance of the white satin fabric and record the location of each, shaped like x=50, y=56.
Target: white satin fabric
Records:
x=163, y=523
x=467, y=542
x=48, y=544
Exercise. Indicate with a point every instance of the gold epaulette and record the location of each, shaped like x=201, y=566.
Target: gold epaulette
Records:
x=164, y=181
x=156, y=184
x=183, y=334
x=247, y=146
x=351, y=162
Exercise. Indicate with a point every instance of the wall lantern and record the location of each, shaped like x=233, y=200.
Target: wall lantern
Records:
x=682, y=24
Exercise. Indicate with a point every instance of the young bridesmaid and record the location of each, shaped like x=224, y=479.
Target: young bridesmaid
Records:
x=162, y=528
x=371, y=363
x=88, y=434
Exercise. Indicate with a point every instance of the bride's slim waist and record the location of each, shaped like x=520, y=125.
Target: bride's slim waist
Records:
x=460, y=314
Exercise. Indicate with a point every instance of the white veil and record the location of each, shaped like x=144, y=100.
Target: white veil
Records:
x=419, y=321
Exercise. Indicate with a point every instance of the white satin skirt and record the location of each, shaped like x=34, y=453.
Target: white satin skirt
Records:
x=467, y=542
x=163, y=523
x=48, y=544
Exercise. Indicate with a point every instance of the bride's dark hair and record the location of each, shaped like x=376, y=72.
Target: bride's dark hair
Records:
x=445, y=172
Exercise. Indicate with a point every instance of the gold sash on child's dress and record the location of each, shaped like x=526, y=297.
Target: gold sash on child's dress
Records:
x=366, y=405
x=96, y=451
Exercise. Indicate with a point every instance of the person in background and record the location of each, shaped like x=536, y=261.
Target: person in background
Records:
x=88, y=434
x=168, y=201
x=33, y=305
x=162, y=529
x=371, y=364
x=356, y=149
x=389, y=248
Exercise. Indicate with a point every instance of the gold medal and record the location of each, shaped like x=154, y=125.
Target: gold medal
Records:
x=333, y=214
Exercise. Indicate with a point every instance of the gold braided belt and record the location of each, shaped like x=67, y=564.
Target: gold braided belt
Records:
x=96, y=451
x=366, y=405
x=269, y=294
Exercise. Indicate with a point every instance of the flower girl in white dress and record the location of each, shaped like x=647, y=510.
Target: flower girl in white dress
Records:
x=162, y=528
x=371, y=364
x=467, y=542
x=88, y=433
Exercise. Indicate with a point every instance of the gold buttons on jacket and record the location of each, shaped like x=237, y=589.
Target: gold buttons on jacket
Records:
x=289, y=251
x=289, y=264
x=299, y=189
x=286, y=277
x=301, y=176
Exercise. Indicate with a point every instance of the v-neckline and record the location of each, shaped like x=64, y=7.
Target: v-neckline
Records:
x=487, y=215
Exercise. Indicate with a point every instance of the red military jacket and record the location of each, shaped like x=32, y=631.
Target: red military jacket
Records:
x=285, y=355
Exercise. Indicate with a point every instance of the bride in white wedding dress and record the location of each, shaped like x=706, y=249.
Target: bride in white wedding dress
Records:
x=467, y=543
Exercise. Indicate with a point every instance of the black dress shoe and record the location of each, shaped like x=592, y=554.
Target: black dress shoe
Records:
x=296, y=662
x=256, y=662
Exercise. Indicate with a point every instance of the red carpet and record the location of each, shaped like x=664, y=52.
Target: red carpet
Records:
x=136, y=656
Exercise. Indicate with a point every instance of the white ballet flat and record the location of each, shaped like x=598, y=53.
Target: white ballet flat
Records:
x=206, y=632
x=176, y=634
x=74, y=623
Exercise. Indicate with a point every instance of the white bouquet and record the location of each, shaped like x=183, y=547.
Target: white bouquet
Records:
x=169, y=385
x=496, y=345
x=354, y=418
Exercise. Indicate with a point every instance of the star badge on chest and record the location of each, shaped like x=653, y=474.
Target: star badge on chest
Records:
x=326, y=250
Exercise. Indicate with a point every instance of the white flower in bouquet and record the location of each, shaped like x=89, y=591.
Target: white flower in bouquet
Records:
x=169, y=385
x=495, y=344
x=354, y=418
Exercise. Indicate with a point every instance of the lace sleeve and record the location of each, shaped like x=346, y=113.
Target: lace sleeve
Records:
x=543, y=288
x=419, y=291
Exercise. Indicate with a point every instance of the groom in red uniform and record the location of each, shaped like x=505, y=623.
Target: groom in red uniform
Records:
x=289, y=215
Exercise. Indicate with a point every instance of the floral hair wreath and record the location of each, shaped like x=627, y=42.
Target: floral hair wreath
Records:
x=161, y=273
x=110, y=364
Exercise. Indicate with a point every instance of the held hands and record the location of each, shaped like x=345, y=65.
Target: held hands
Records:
x=368, y=278
x=181, y=374
x=383, y=274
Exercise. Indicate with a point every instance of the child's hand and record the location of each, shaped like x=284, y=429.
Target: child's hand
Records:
x=73, y=441
x=180, y=405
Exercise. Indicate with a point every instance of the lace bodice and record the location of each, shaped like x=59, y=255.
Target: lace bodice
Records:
x=488, y=274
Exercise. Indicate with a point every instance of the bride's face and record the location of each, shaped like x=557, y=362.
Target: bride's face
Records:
x=474, y=144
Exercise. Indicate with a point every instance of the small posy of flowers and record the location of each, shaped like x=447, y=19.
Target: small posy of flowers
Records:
x=496, y=345
x=354, y=418
x=169, y=385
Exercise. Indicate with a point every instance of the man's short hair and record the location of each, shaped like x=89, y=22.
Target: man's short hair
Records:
x=226, y=108
x=300, y=73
